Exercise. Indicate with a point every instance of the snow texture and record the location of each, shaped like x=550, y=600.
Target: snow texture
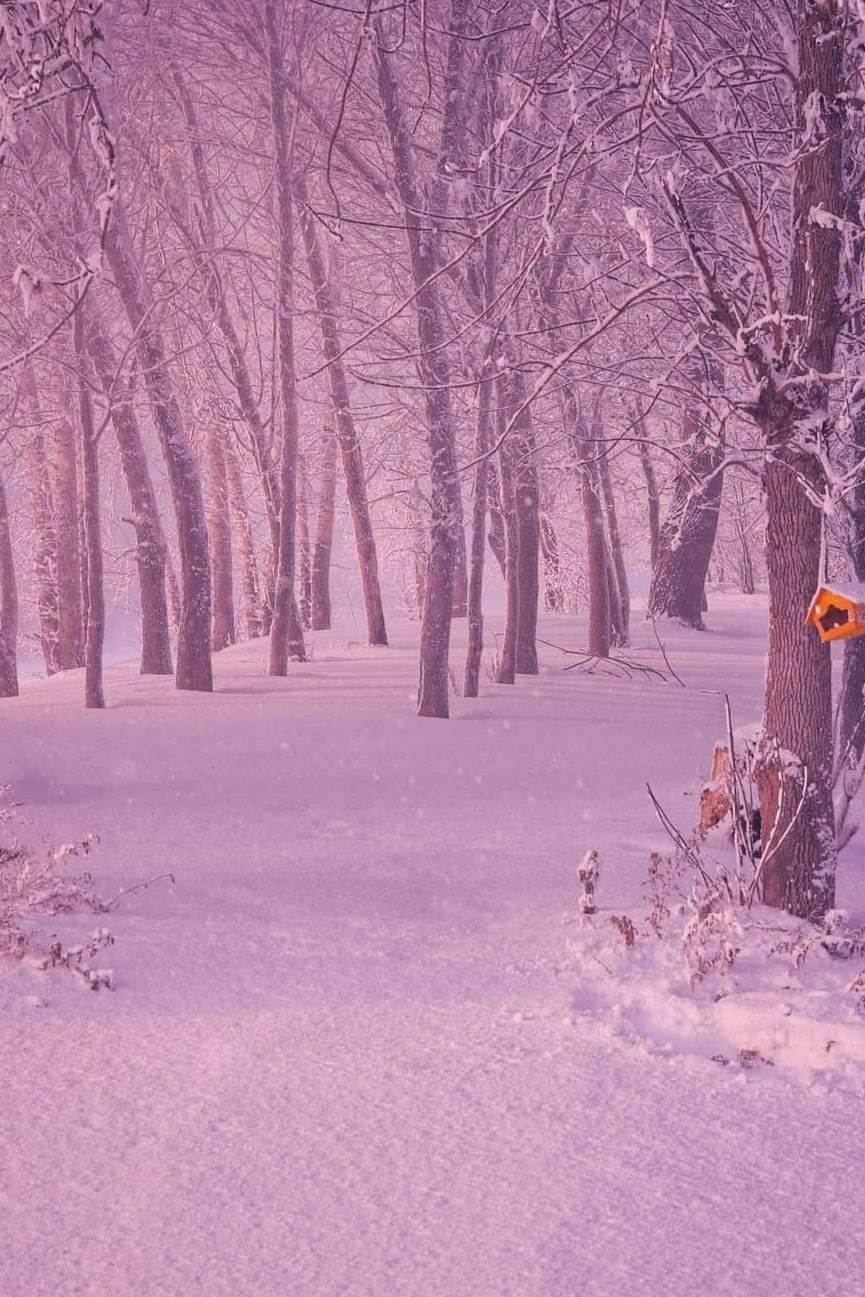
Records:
x=363, y=1046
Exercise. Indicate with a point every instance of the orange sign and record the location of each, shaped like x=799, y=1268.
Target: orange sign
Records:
x=837, y=613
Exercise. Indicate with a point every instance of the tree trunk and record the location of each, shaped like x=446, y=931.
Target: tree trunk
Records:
x=800, y=873
x=618, y=568
x=193, y=641
x=323, y=546
x=260, y=442
x=419, y=555
x=526, y=502
x=346, y=431
x=471, y=680
x=461, y=575
x=94, y=696
x=304, y=546
x=506, y=673
x=286, y=633
x=252, y=610
x=745, y=565
x=496, y=534
x=8, y=606
x=599, y=628
x=222, y=561
x=45, y=543
x=553, y=597
x=618, y=631
x=652, y=493
x=688, y=533
x=70, y=626
x=446, y=500
x=851, y=704
x=150, y=548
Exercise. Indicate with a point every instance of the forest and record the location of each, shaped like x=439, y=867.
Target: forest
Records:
x=504, y=353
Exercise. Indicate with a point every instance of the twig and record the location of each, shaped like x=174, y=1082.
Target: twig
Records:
x=138, y=887
x=677, y=678
x=678, y=837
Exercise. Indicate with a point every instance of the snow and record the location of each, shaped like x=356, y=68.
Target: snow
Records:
x=362, y=1046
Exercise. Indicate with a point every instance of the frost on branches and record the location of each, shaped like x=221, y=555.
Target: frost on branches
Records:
x=37, y=891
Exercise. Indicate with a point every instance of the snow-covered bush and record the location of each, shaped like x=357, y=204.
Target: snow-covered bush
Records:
x=35, y=888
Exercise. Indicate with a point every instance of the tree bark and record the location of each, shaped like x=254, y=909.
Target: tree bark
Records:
x=618, y=568
x=252, y=604
x=652, y=494
x=506, y=673
x=745, y=564
x=8, y=606
x=94, y=696
x=193, y=641
x=460, y=606
x=496, y=533
x=446, y=501
x=260, y=442
x=474, y=651
x=346, y=431
x=800, y=873
x=688, y=534
x=150, y=547
x=70, y=625
x=304, y=546
x=45, y=546
x=599, y=628
x=527, y=505
x=323, y=544
x=286, y=633
x=222, y=560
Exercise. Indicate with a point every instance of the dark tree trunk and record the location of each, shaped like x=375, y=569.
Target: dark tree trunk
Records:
x=496, y=534
x=8, y=606
x=474, y=651
x=222, y=560
x=461, y=575
x=70, y=623
x=193, y=641
x=286, y=634
x=259, y=440
x=621, y=606
x=346, y=431
x=526, y=503
x=252, y=610
x=800, y=873
x=652, y=494
x=688, y=533
x=304, y=547
x=618, y=631
x=94, y=696
x=508, y=657
x=150, y=548
x=599, y=629
x=323, y=545
x=446, y=500
x=851, y=705
x=45, y=545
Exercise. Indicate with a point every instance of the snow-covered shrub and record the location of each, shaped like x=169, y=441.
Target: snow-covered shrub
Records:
x=35, y=888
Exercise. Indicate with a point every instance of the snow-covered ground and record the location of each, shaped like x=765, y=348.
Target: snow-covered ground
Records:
x=361, y=1046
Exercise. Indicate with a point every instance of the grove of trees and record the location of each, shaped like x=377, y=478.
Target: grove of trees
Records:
x=371, y=305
